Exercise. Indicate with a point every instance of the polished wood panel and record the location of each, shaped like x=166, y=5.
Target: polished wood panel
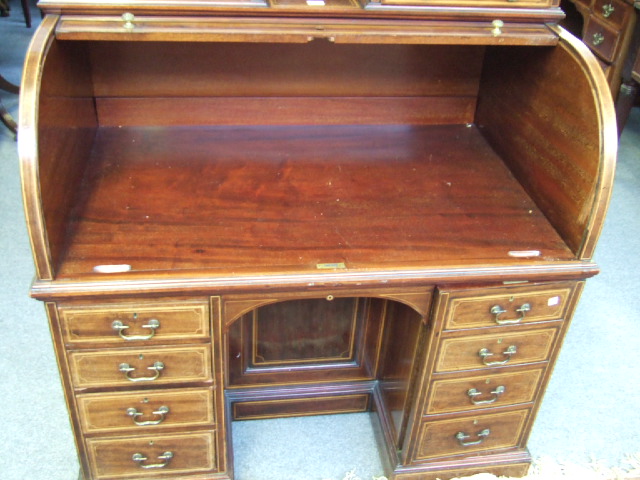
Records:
x=300, y=332
x=299, y=197
x=108, y=412
x=302, y=341
x=438, y=438
x=472, y=308
x=90, y=324
x=558, y=137
x=100, y=368
x=192, y=453
x=320, y=405
x=451, y=395
x=403, y=341
x=57, y=119
x=175, y=111
x=457, y=354
x=317, y=69
x=478, y=31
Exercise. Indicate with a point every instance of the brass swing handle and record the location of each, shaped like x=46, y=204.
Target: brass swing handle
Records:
x=127, y=369
x=121, y=327
x=484, y=354
x=473, y=393
x=165, y=457
x=607, y=10
x=461, y=437
x=161, y=412
x=597, y=39
x=497, y=310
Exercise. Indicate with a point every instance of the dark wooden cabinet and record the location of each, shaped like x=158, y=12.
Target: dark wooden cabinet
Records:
x=244, y=210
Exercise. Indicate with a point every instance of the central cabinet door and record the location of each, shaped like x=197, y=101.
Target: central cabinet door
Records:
x=306, y=339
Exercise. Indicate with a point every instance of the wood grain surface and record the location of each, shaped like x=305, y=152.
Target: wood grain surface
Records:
x=271, y=197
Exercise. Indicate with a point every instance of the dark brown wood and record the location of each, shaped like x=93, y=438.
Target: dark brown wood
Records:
x=320, y=206
x=192, y=453
x=553, y=134
x=291, y=407
x=107, y=413
x=296, y=204
x=311, y=340
x=438, y=438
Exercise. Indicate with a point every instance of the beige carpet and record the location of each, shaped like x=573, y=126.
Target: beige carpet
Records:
x=550, y=469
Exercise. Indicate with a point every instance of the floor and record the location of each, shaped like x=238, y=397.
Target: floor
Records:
x=590, y=410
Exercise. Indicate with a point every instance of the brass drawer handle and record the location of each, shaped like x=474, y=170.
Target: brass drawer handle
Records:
x=161, y=412
x=473, y=393
x=484, y=354
x=598, y=39
x=607, y=10
x=121, y=327
x=461, y=437
x=165, y=457
x=497, y=310
x=127, y=369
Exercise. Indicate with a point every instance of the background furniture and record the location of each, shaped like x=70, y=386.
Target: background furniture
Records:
x=5, y=8
x=611, y=30
x=5, y=116
x=341, y=209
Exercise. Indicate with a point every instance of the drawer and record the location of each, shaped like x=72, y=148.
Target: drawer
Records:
x=140, y=411
x=601, y=38
x=134, y=323
x=472, y=393
x=491, y=307
x=157, y=456
x=144, y=366
x=495, y=350
x=613, y=11
x=471, y=434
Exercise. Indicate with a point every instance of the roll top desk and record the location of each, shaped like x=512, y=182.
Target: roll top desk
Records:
x=250, y=209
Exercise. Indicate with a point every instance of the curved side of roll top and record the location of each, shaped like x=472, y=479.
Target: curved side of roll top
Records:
x=28, y=145
x=549, y=114
x=57, y=125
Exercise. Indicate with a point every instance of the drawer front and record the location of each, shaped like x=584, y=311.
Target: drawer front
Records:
x=472, y=393
x=471, y=434
x=484, y=308
x=601, y=38
x=135, y=323
x=144, y=366
x=145, y=411
x=157, y=456
x=495, y=350
x=613, y=11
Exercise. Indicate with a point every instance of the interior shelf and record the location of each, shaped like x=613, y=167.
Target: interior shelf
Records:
x=279, y=198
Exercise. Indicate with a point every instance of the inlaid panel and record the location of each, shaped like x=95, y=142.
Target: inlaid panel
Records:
x=166, y=455
x=146, y=410
x=495, y=350
x=491, y=307
x=138, y=323
x=144, y=366
x=471, y=434
x=486, y=391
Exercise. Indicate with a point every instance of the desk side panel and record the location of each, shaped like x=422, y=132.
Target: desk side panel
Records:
x=549, y=114
x=58, y=123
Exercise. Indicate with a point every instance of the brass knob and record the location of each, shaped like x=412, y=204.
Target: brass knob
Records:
x=128, y=19
x=497, y=27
